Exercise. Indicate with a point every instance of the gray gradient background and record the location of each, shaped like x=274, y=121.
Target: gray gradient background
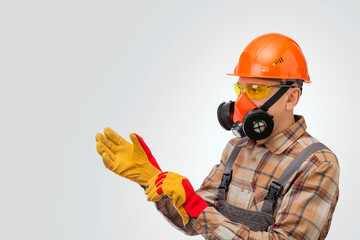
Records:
x=70, y=68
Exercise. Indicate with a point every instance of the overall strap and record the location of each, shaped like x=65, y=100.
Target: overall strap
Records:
x=276, y=188
x=227, y=174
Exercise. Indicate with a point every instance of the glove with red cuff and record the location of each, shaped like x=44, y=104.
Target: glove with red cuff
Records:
x=179, y=190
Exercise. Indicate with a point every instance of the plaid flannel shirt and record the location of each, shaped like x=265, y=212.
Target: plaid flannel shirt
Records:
x=305, y=208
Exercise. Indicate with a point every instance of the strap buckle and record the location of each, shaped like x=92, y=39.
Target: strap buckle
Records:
x=225, y=181
x=274, y=192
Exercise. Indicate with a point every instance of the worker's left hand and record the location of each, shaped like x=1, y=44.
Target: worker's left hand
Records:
x=178, y=188
x=132, y=161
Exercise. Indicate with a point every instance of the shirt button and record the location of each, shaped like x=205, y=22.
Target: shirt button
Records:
x=242, y=189
x=198, y=226
x=253, y=159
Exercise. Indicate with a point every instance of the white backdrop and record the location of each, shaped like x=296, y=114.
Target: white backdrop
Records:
x=70, y=68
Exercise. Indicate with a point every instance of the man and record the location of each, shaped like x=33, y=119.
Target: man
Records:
x=274, y=180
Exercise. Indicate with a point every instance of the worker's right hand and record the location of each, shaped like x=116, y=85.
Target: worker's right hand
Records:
x=179, y=189
x=132, y=161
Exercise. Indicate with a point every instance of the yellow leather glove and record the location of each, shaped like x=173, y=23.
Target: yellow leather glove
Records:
x=132, y=161
x=180, y=191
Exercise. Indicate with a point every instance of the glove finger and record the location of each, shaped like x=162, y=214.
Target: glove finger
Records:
x=114, y=137
x=151, y=181
x=107, y=161
x=151, y=186
x=153, y=193
x=163, y=173
x=184, y=215
x=159, y=183
x=151, y=189
x=109, y=144
x=160, y=179
x=135, y=139
x=148, y=190
x=101, y=148
x=141, y=146
x=174, y=191
x=157, y=196
x=153, y=196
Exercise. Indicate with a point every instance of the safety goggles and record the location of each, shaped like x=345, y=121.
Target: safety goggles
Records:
x=255, y=91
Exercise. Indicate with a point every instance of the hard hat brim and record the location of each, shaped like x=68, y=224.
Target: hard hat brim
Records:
x=267, y=77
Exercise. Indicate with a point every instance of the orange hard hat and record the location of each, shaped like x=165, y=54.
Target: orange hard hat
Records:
x=272, y=55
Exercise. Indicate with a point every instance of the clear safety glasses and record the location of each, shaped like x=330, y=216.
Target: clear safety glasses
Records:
x=255, y=91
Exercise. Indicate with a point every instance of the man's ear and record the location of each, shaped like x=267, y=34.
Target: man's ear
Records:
x=293, y=98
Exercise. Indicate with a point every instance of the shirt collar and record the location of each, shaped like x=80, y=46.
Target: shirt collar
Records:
x=279, y=143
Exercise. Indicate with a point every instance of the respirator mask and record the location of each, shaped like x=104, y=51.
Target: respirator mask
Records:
x=243, y=117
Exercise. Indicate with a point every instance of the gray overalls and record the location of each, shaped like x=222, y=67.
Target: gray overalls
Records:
x=255, y=220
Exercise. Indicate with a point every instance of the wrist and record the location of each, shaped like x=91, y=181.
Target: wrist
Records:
x=148, y=172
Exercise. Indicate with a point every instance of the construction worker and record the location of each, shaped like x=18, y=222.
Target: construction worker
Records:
x=274, y=180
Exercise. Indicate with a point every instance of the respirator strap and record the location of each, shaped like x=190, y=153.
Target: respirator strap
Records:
x=276, y=96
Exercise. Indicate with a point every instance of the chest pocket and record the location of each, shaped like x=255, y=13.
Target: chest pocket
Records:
x=239, y=196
